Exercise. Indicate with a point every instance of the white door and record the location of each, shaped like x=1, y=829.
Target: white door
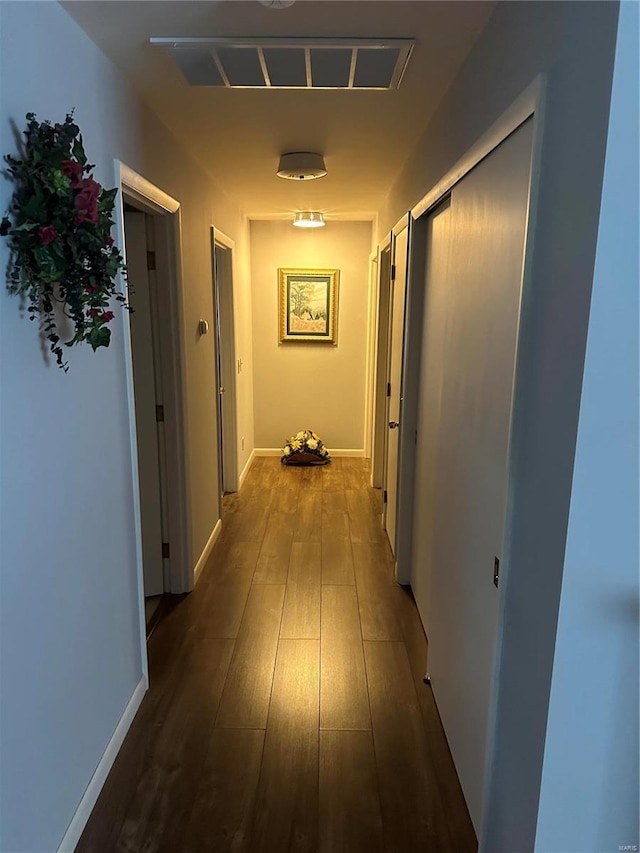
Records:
x=394, y=410
x=144, y=378
x=225, y=367
x=438, y=276
x=474, y=271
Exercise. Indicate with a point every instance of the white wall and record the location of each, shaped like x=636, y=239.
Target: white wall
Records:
x=308, y=385
x=572, y=43
x=69, y=615
x=243, y=328
x=589, y=797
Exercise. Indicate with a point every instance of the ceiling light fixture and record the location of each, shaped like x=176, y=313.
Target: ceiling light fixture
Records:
x=309, y=219
x=301, y=166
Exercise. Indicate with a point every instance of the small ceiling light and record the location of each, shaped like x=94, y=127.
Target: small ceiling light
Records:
x=301, y=166
x=309, y=219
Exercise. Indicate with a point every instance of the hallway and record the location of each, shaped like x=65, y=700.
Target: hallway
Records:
x=286, y=710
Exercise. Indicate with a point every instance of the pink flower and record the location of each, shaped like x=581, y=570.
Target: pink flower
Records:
x=109, y=240
x=92, y=187
x=47, y=234
x=104, y=316
x=73, y=170
x=86, y=201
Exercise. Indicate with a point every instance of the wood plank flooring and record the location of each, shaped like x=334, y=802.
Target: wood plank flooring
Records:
x=286, y=712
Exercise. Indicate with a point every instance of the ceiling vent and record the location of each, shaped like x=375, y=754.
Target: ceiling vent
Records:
x=285, y=63
x=277, y=4
x=301, y=166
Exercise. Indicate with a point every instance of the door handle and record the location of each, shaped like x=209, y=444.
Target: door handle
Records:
x=394, y=424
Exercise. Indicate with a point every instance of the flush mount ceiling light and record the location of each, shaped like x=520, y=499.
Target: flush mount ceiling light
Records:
x=309, y=219
x=301, y=166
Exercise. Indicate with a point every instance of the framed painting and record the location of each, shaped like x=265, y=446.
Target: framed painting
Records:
x=308, y=305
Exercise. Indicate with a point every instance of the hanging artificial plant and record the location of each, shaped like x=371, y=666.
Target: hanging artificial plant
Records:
x=59, y=224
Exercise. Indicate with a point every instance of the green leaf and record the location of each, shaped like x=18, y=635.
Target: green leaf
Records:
x=111, y=266
x=99, y=337
x=34, y=208
x=26, y=226
x=107, y=198
x=78, y=151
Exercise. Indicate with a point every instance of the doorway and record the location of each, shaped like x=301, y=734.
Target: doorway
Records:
x=149, y=405
x=152, y=247
x=225, y=365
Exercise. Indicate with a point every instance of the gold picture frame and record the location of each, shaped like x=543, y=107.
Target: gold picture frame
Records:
x=308, y=305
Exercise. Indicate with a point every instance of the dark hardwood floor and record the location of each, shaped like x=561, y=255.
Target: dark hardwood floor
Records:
x=286, y=710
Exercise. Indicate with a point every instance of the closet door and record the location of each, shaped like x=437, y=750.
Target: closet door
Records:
x=470, y=329
x=432, y=369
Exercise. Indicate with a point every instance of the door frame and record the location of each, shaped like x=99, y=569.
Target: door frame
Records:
x=412, y=345
x=403, y=223
x=381, y=344
x=228, y=428
x=166, y=212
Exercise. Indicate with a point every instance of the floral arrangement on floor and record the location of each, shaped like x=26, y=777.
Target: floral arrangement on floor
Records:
x=63, y=259
x=305, y=448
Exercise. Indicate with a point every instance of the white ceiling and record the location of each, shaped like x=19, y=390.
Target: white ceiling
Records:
x=237, y=135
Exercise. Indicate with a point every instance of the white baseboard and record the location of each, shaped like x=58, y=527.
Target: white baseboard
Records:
x=90, y=796
x=276, y=451
x=245, y=470
x=208, y=548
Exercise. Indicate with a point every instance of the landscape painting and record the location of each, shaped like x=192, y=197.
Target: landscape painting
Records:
x=308, y=302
